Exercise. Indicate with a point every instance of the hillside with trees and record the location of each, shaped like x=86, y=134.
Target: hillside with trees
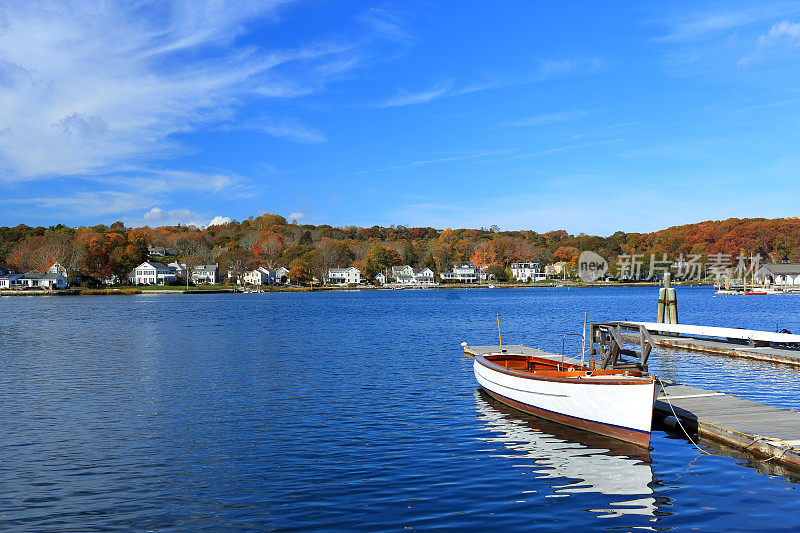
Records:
x=111, y=252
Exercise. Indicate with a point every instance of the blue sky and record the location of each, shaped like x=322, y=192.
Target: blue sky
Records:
x=592, y=117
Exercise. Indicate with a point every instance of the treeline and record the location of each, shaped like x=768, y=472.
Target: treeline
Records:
x=111, y=252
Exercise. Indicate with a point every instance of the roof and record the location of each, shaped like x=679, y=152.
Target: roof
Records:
x=792, y=269
x=342, y=270
x=154, y=264
x=42, y=275
x=205, y=267
x=421, y=270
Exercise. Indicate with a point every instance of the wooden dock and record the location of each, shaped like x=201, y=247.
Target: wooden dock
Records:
x=768, y=436
x=720, y=347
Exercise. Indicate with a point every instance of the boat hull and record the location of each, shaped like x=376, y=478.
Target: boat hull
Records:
x=622, y=409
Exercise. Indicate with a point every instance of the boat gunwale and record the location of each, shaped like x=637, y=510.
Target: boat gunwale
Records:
x=631, y=380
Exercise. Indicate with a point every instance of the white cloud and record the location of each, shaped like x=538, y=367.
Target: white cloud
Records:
x=541, y=71
x=436, y=161
x=406, y=98
x=782, y=29
x=89, y=85
x=548, y=118
x=298, y=216
x=185, y=217
x=219, y=221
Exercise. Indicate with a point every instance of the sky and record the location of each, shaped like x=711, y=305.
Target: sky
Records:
x=585, y=116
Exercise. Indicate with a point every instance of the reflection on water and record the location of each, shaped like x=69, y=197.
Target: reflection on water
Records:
x=591, y=463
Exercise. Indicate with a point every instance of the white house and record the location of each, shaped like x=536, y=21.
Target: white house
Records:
x=205, y=274
x=179, y=269
x=343, y=276
x=406, y=275
x=151, y=273
x=464, y=274
x=259, y=276
x=555, y=269
x=424, y=276
x=282, y=275
x=781, y=274
x=402, y=272
x=39, y=280
x=56, y=268
x=380, y=277
x=526, y=272
x=9, y=281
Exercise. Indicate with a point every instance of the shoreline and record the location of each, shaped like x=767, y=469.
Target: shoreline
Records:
x=136, y=291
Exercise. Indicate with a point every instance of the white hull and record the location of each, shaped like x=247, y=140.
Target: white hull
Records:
x=618, y=408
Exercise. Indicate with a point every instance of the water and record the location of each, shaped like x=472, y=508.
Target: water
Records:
x=350, y=411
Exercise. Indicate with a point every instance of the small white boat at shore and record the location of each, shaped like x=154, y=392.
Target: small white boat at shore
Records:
x=616, y=403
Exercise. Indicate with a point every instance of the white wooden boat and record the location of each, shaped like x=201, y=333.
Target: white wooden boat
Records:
x=613, y=402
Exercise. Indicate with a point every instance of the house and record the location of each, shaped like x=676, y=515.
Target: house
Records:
x=526, y=272
x=464, y=274
x=57, y=268
x=343, y=276
x=9, y=281
x=179, y=269
x=380, y=277
x=782, y=274
x=555, y=269
x=406, y=275
x=205, y=274
x=42, y=280
x=282, y=275
x=402, y=272
x=424, y=276
x=259, y=276
x=159, y=251
x=151, y=273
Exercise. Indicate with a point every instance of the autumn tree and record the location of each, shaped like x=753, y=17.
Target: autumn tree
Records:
x=299, y=275
x=236, y=262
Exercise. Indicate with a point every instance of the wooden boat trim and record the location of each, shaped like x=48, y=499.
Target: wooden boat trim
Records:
x=632, y=380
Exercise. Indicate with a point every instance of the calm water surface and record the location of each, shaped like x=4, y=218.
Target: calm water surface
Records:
x=351, y=411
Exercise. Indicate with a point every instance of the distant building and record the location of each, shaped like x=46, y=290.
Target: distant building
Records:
x=205, y=274
x=405, y=271
x=464, y=274
x=259, y=276
x=159, y=251
x=179, y=269
x=380, y=277
x=152, y=273
x=42, y=280
x=526, y=272
x=343, y=276
x=782, y=274
x=555, y=269
x=56, y=268
x=282, y=275
x=9, y=281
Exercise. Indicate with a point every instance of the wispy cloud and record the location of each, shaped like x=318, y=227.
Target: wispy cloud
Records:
x=436, y=161
x=544, y=70
x=404, y=98
x=88, y=86
x=783, y=33
x=548, y=118
x=709, y=21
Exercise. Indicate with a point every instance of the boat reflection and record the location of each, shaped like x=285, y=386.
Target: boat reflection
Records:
x=589, y=462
